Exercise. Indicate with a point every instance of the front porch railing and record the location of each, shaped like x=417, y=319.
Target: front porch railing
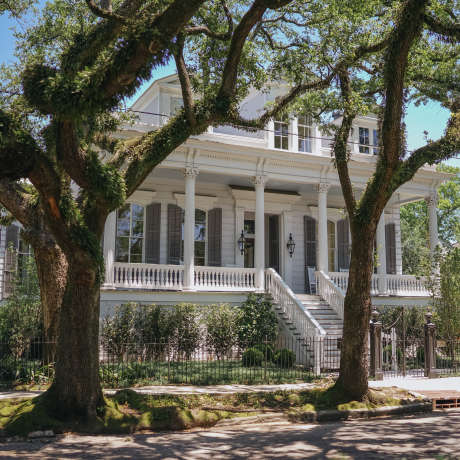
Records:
x=393, y=285
x=148, y=276
x=171, y=277
x=225, y=278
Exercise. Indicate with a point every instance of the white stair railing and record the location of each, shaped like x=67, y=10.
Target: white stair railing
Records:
x=330, y=292
x=291, y=307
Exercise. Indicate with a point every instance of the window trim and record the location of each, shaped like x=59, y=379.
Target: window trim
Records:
x=308, y=139
x=143, y=206
x=281, y=136
x=364, y=146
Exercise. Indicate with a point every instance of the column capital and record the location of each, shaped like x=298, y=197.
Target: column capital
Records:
x=432, y=199
x=323, y=187
x=191, y=171
x=260, y=179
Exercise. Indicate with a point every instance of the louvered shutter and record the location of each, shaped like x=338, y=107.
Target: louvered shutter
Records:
x=310, y=243
x=174, y=234
x=152, y=233
x=11, y=248
x=215, y=237
x=343, y=238
x=390, y=244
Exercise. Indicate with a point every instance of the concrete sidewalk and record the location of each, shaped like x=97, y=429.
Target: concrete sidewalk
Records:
x=408, y=383
x=420, y=384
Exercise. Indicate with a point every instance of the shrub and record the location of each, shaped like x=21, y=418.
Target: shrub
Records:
x=266, y=350
x=118, y=331
x=221, y=321
x=285, y=358
x=257, y=321
x=154, y=327
x=186, y=335
x=252, y=357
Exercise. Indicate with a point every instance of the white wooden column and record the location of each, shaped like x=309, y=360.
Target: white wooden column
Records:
x=382, y=254
x=259, y=253
x=322, y=227
x=109, y=246
x=294, y=136
x=189, y=228
x=432, y=202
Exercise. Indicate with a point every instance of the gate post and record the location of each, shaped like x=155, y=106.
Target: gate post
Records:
x=430, y=348
x=376, y=347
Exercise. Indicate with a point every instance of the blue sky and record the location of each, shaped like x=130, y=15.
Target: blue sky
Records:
x=431, y=117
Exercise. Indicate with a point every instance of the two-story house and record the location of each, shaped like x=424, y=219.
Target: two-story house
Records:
x=232, y=211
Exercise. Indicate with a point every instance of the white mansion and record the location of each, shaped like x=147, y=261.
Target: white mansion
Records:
x=231, y=212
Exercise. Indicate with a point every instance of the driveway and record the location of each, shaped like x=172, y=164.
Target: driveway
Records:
x=433, y=436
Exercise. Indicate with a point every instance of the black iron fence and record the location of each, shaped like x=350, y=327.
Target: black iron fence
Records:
x=288, y=360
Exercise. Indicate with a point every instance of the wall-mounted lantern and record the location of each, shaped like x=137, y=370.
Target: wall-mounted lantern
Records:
x=242, y=242
x=290, y=245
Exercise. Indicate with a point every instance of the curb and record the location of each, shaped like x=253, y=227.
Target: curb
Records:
x=353, y=414
x=252, y=419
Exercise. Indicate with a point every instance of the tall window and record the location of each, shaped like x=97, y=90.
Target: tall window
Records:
x=282, y=134
x=363, y=140
x=305, y=133
x=130, y=234
x=24, y=255
x=331, y=244
x=375, y=135
x=175, y=105
x=200, y=237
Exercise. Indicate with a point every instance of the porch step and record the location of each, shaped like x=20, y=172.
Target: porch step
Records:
x=325, y=315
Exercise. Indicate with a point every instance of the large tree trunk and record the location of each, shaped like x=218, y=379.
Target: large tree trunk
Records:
x=52, y=275
x=353, y=378
x=76, y=390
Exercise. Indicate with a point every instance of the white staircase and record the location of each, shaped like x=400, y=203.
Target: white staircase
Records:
x=323, y=313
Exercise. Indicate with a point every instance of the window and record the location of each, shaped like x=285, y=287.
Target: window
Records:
x=24, y=255
x=130, y=234
x=363, y=140
x=281, y=134
x=305, y=133
x=175, y=105
x=331, y=244
x=200, y=237
x=375, y=135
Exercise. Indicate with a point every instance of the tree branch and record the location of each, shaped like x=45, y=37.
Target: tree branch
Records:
x=432, y=153
x=248, y=21
x=202, y=29
x=184, y=79
x=450, y=30
x=340, y=147
x=104, y=13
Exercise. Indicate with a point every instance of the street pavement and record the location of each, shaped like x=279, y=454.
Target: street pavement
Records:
x=428, y=436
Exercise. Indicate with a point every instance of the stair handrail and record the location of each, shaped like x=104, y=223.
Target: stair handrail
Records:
x=330, y=292
x=291, y=306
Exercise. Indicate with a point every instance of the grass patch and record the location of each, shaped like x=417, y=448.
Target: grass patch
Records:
x=128, y=411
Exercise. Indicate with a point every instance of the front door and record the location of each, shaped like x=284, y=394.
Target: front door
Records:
x=272, y=230
x=272, y=241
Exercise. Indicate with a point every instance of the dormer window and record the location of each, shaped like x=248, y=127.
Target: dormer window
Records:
x=282, y=134
x=363, y=140
x=305, y=133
